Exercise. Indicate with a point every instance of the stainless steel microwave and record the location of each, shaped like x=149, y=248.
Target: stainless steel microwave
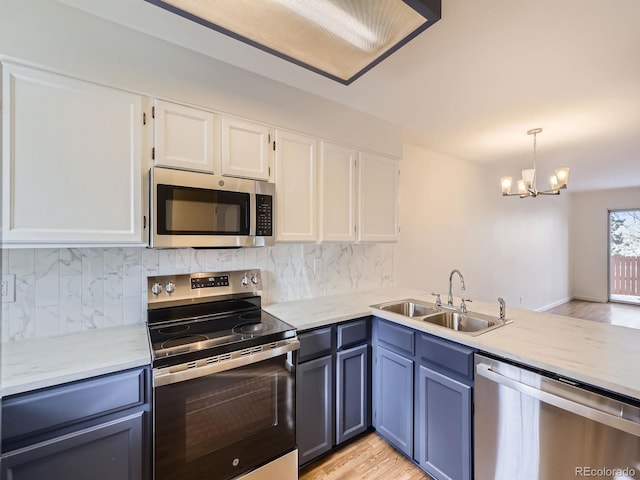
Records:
x=190, y=209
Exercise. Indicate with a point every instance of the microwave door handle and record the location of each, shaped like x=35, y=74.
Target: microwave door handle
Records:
x=251, y=215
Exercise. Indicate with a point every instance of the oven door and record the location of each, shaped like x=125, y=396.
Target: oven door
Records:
x=226, y=423
x=191, y=209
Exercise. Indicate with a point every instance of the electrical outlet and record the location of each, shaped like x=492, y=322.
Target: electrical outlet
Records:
x=9, y=288
x=521, y=300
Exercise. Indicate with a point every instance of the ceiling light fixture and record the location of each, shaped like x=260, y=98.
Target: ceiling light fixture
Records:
x=527, y=185
x=340, y=39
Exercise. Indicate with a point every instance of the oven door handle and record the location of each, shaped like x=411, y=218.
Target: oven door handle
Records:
x=208, y=366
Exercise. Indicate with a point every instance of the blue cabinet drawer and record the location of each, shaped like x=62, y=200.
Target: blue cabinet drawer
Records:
x=396, y=338
x=352, y=333
x=444, y=354
x=52, y=408
x=315, y=344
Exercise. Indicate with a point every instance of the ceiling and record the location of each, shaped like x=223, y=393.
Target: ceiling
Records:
x=471, y=85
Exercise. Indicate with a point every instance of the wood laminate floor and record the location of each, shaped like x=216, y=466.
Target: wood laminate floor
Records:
x=621, y=314
x=367, y=458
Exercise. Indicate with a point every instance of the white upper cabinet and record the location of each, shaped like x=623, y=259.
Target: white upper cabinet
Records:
x=337, y=193
x=296, y=199
x=377, y=198
x=185, y=138
x=246, y=149
x=71, y=161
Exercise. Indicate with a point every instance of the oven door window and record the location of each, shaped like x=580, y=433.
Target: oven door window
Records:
x=200, y=211
x=223, y=425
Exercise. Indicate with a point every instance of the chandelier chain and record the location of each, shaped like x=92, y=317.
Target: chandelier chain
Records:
x=535, y=157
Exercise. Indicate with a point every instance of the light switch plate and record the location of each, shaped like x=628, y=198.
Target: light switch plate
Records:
x=8, y=288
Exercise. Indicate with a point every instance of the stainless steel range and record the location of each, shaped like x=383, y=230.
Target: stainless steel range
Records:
x=224, y=386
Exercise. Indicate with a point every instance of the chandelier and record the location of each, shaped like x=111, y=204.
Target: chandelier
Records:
x=527, y=184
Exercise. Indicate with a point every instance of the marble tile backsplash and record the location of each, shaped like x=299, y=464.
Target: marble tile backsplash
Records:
x=59, y=291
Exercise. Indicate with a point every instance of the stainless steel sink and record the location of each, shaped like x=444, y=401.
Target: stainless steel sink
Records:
x=469, y=323
x=474, y=323
x=408, y=308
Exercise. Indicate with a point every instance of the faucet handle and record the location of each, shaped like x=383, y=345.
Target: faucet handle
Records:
x=438, y=301
x=463, y=305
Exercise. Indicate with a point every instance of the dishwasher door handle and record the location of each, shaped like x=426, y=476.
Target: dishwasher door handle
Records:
x=605, y=418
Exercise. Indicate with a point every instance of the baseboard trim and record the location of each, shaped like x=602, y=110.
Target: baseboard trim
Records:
x=591, y=299
x=554, y=304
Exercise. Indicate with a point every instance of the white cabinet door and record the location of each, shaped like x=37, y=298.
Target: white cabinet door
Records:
x=296, y=201
x=185, y=137
x=71, y=161
x=377, y=198
x=337, y=197
x=246, y=149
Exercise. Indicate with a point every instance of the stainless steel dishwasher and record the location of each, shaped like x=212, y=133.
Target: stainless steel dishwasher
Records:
x=531, y=426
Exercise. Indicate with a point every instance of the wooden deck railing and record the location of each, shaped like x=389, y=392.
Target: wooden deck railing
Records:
x=625, y=275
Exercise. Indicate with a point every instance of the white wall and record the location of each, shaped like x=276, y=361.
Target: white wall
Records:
x=589, y=239
x=452, y=215
x=63, y=38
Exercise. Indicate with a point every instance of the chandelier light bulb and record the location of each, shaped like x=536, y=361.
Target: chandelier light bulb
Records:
x=506, y=185
x=562, y=174
x=522, y=188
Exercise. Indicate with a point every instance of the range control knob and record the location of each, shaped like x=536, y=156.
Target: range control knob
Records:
x=156, y=288
x=245, y=280
x=254, y=278
x=170, y=287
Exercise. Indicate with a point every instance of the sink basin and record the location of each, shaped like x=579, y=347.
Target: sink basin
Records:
x=408, y=308
x=463, y=322
x=468, y=323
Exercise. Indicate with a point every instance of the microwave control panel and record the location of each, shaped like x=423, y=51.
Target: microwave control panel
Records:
x=264, y=215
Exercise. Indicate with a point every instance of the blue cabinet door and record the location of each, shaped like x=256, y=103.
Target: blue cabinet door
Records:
x=314, y=412
x=443, y=424
x=111, y=451
x=393, y=399
x=352, y=392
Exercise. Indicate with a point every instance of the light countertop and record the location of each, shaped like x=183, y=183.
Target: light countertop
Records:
x=595, y=353
x=599, y=354
x=43, y=362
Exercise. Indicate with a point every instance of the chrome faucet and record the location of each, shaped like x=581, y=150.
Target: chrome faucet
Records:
x=450, y=297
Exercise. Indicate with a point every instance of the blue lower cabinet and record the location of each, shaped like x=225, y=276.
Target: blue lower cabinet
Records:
x=112, y=451
x=443, y=425
x=333, y=385
x=422, y=400
x=314, y=413
x=97, y=428
x=352, y=393
x=393, y=399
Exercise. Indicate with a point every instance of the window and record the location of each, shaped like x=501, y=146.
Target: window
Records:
x=624, y=256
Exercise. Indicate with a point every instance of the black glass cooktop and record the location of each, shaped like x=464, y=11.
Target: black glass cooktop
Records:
x=188, y=333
